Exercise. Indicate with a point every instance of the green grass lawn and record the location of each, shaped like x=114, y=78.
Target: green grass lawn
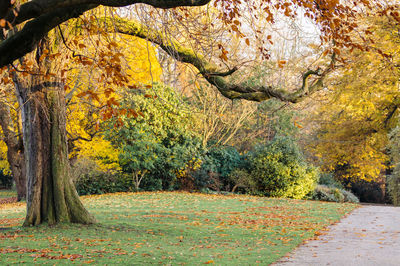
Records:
x=7, y=193
x=169, y=228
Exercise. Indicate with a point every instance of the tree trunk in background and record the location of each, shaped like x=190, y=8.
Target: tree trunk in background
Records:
x=16, y=160
x=15, y=150
x=51, y=195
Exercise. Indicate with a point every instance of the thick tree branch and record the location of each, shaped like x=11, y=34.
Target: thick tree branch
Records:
x=48, y=14
x=210, y=70
x=5, y=6
x=25, y=40
x=36, y=8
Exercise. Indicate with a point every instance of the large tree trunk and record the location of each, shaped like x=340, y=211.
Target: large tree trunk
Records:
x=15, y=152
x=51, y=195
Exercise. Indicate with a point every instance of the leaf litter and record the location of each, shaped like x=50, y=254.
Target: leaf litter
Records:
x=170, y=228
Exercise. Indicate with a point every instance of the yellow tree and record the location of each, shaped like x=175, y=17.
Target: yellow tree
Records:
x=360, y=108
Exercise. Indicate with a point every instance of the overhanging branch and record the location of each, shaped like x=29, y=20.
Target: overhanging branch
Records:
x=24, y=41
x=210, y=71
x=35, y=8
x=44, y=15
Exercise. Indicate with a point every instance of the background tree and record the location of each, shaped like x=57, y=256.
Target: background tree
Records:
x=13, y=149
x=394, y=177
x=353, y=116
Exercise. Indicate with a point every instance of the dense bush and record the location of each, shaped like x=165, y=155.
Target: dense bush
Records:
x=157, y=145
x=152, y=183
x=329, y=189
x=176, y=161
x=327, y=179
x=217, y=165
x=369, y=191
x=334, y=194
x=349, y=196
x=280, y=170
x=242, y=180
x=89, y=179
x=6, y=180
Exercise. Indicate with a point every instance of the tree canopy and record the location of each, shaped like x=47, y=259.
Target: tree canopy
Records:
x=335, y=20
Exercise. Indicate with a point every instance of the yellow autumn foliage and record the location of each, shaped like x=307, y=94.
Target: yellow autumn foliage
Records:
x=101, y=151
x=359, y=111
x=138, y=63
x=4, y=166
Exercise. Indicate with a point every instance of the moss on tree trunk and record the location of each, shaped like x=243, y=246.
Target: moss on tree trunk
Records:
x=51, y=195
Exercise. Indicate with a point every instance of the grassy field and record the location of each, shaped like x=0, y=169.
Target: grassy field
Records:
x=7, y=194
x=169, y=228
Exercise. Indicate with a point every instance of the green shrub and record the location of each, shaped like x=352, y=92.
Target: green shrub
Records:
x=217, y=165
x=100, y=183
x=243, y=181
x=6, y=180
x=280, y=170
x=349, y=197
x=222, y=160
x=158, y=144
x=152, y=183
x=176, y=161
x=90, y=180
x=338, y=195
x=333, y=187
x=327, y=179
x=325, y=193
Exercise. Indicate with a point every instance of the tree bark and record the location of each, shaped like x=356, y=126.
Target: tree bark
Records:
x=16, y=160
x=15, y=151
x=138, y=178
x=51, y=195
x=44, y=15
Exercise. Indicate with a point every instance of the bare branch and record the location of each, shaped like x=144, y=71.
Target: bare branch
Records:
x=210, y=71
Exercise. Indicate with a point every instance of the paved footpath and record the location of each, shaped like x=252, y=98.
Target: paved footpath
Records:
x=369, y=236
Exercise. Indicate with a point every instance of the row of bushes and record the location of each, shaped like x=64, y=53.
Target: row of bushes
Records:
x=277, y=169
x=159, y=150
